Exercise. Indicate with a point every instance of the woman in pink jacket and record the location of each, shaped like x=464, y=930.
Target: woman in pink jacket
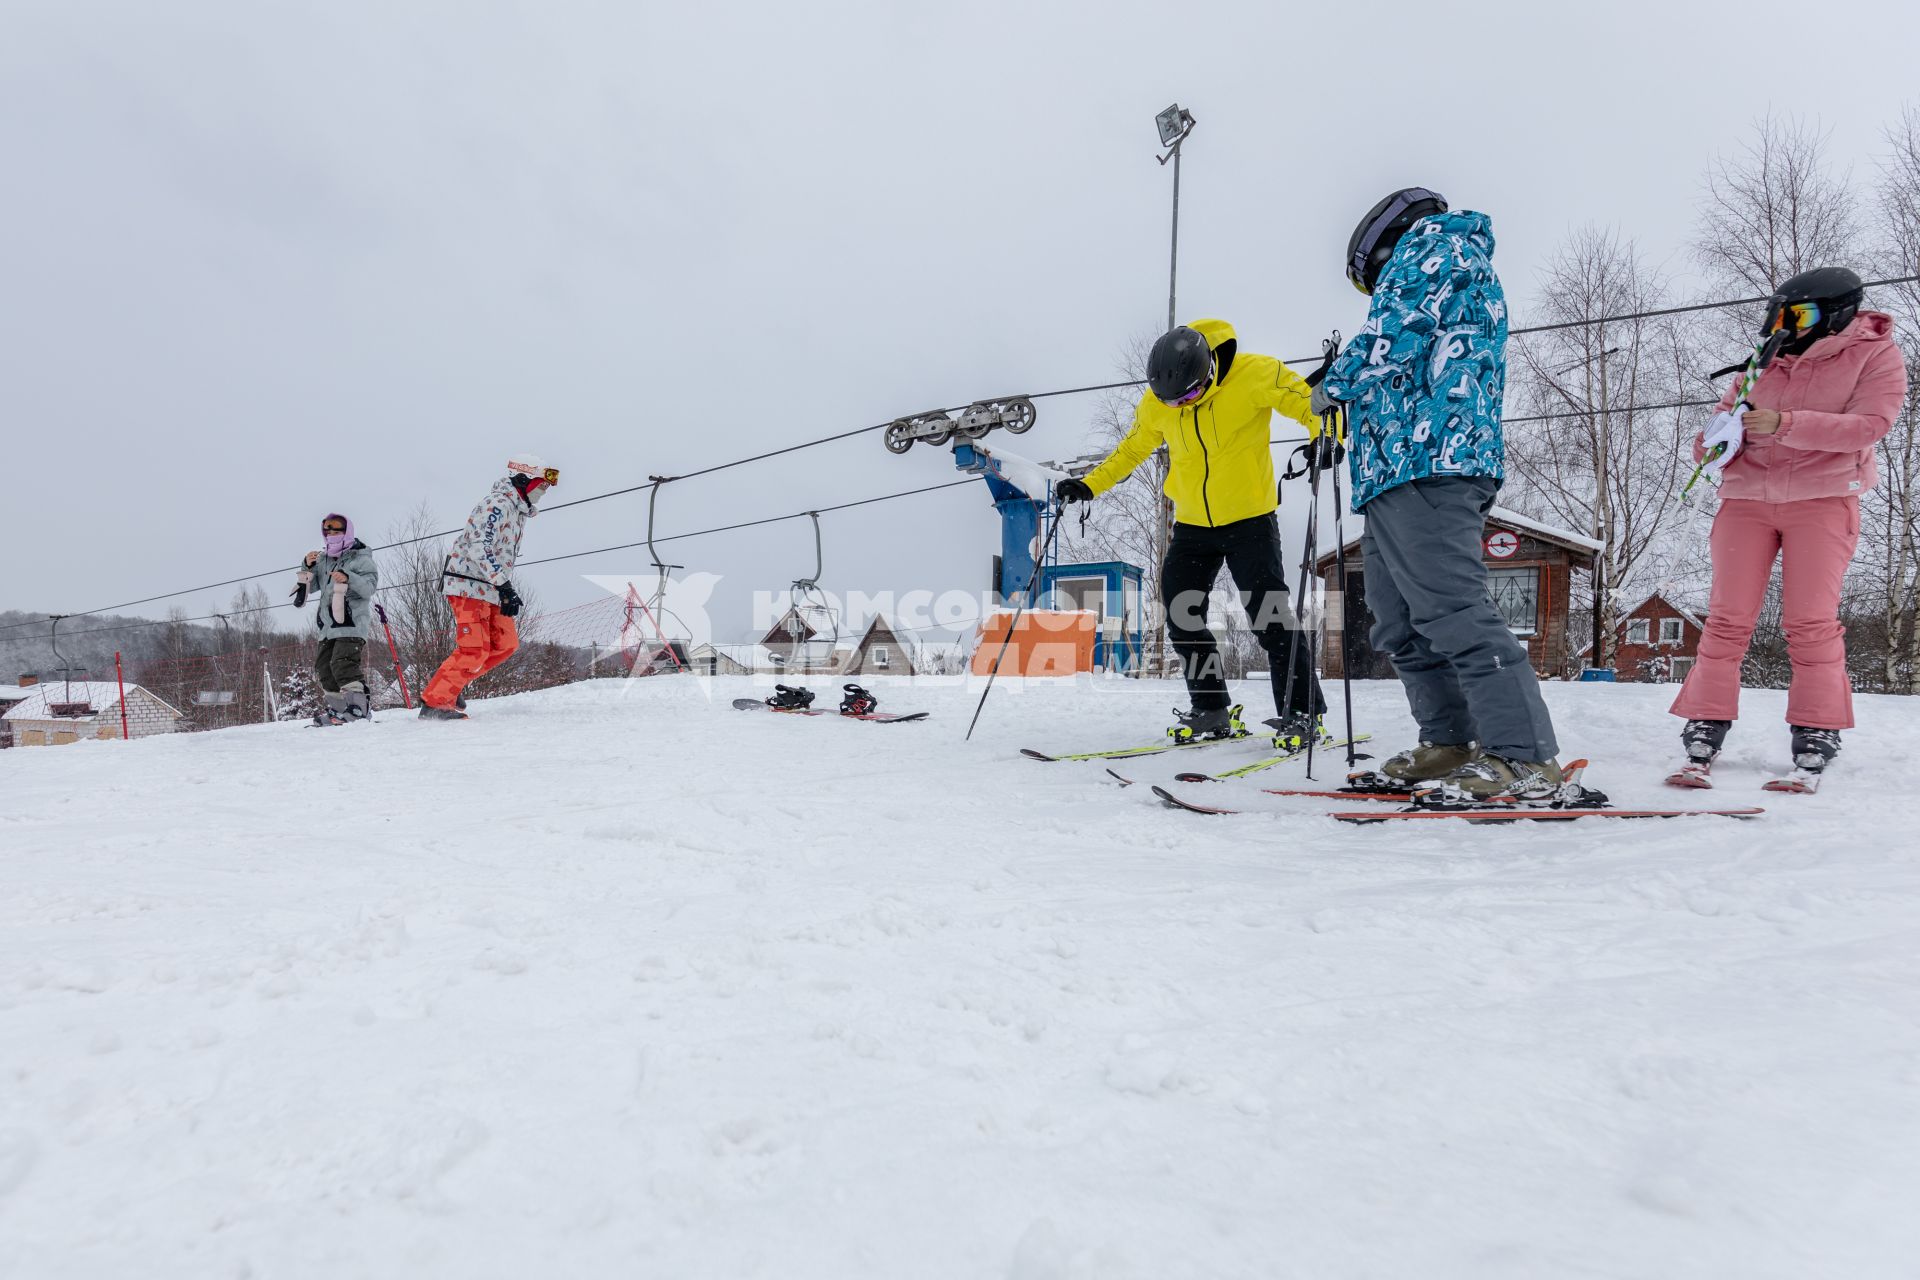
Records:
x=1797, y=456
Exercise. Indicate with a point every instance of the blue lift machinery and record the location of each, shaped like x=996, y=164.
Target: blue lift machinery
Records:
x=1110, y=589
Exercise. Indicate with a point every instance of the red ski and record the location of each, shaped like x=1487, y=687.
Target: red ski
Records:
x=1520, y=813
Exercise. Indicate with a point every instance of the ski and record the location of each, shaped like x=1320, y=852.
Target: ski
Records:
x=1693, y=775
x=1389, y=797
x=1521, y=813
x=1129, y=753
x=1173, y=801
x=1491, y=813
x=1268, y=763
x=755, y=704
x=1803, y=782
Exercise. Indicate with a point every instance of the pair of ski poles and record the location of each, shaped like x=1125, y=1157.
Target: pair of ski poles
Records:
x=1323, y=453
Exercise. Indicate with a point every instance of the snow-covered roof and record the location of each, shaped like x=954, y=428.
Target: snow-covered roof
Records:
x=750, y=656
x=15, y=692
x=1671, y=603
x=1508, y=516
x=1514, y=520
x=102, y=695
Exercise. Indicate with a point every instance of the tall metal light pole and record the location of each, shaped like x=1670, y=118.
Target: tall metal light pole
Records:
x=1175, y=123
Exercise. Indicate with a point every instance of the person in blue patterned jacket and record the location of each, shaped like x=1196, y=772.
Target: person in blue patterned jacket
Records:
x=1422, y=383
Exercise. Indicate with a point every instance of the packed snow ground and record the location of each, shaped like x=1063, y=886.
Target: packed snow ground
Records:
x=618, y=981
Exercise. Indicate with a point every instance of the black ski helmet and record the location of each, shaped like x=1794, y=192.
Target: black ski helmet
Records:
x=1373, y=241
x=1838, y=293
x=1180, y=363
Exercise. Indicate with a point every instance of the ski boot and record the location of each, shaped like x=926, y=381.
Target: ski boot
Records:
x=1428, y=762
x=1292, y=731
x=354, y=703
x=858, y=701
x=441, y=713
x=1813, y=751
x=1702, y=740
x=1215, y=722
x=332, y=712
x=1488, y=777
x=788, y=698
x=460, y=700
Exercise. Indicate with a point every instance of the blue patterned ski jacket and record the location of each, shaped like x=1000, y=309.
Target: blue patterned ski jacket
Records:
x=1423, y=378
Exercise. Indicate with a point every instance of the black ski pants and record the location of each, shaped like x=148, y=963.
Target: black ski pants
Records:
x=338, y=664
x=1250, y=550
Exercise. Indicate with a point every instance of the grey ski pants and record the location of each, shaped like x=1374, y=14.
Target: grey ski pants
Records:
x=1467, y=677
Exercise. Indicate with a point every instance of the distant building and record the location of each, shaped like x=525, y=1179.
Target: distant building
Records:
x=1658, y=641
x=58, y=712
x=791, y=643
x=11, y=696
x=1530, y=566
x=878, y=653
x=708, y=659
x=792, y=648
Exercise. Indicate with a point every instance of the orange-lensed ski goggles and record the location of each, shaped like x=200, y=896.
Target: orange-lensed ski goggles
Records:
x=1793, y=317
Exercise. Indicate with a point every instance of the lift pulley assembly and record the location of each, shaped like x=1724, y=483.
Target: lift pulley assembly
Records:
x=936, y=426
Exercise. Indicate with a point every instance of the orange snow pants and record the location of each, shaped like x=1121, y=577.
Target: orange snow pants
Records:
x=482, y=640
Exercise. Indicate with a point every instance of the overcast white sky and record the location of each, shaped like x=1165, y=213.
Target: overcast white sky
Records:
x=262, y=261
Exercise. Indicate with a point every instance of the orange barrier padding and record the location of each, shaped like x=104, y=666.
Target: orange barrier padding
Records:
x=1046, y=642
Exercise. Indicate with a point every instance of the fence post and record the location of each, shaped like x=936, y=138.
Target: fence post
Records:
x=120, y=676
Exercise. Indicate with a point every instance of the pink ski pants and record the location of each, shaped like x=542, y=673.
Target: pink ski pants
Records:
x=1814, y=539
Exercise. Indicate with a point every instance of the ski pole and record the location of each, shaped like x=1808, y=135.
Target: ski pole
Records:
x=1763, y=354
x=406, y=699
x=1312, y=451
x=1340, y=540
x=1032, y=581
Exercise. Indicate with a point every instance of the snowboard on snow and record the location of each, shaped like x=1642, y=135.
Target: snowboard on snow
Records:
x=755, y=704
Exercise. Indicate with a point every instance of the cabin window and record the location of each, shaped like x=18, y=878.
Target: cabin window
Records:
x=881, y=656
x=1637, y=631
x=1516, y=593
x=1670, y=631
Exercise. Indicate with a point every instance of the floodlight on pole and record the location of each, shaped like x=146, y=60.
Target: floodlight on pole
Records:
x=1175, y=123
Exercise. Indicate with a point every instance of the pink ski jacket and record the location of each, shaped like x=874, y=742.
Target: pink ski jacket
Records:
x=1836, y=400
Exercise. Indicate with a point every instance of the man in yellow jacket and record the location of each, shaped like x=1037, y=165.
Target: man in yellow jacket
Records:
x=1211, y=406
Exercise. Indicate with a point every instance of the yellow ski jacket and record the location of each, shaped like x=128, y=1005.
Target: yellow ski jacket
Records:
x=1220, y=461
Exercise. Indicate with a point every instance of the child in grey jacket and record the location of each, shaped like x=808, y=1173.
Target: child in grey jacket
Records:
x=343, y=577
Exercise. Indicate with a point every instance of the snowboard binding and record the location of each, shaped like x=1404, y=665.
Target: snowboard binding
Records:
x=858, y=701
x=788, y=698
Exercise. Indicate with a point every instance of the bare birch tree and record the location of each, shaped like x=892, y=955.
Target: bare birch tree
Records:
x=1601, y=464
x=1889, y=559
x=1134, y=520
x=1775, y=209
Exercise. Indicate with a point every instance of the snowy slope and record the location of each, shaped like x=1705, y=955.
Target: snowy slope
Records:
x=621, y=982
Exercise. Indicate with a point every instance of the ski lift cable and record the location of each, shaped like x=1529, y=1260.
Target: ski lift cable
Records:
x=571, y=555
x=653, y=483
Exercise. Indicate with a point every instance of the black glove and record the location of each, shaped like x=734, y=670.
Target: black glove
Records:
x=509, y=600
x=1073, y=491
x=1322, y=403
